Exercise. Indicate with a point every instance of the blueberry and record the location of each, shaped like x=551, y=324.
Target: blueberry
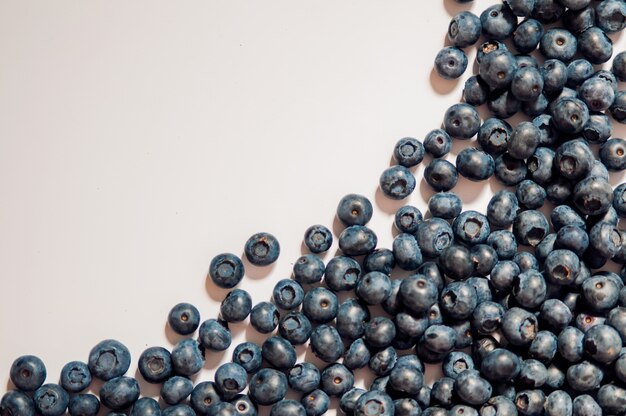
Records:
x=87, y=405
x=248, y=355
x=348, y=400
x=494, y=135
x=109, y=359
x=530, y=227
x=455, y=261
x=500, y=365
x=304, y=377
x=597, y=94
x=408, y=152
x=475, y=92
x=445, y=205
x=603, y=343
x=279, y=353
x=262, y=249
x=226, y=270
x=498, y=406
x=455, y=363
x=354, y=209
x=342, y=273
x=318, y=238
x=527, y=84
x=600, y=293
x=529, y=289
x=488, y=47
x=508, y=170
x=336, y=380
x=461, y=121
x=176, y=389
x=498, y=22
x=613, y=154
x=357, y=240
x=223, y=409
x=504, y=243
x=558, y=403
x=374, y=403
x=464, y=29
x=155, y=365
x=230, y=379
x=556, y=377
x=51, y=400
x=28, y=373
x=406, y=252
x=441, y=175
x=295, y=327
x=498, y=68
x=288, y=408
x=556, y=314
x=526, y=261
x=441, y=392
x=187, y=358
x=619, y=66
x=406, y=407
x=184, y=318
x=267, y=386
x=561, y=267
x=214, y=335
x=519, y=326
x=320, y=305
x=118, y=393
x=316, y=403
x=438, y=143
x=236, y=306
x=406, y=379
x=15, y=402
x=543, y=347
x=584, y=376
x=396, y=182
x=472, y=388
x=326, y=343
x=554, y=76
x=612, y=399
x=536, y=106
x=577, y=21
x=586, y=405
x=450, y=62
x=357, y=355
x=439, y=339
x=204, y=396
x=418, y=293
x=618, y=108
x=593, y=196
x=611, y=16
x=373, y=288
x=532, y=374
x=523, y=140
x=527, y=35
x=351, y=318
x=530, y=402
x=578, y=71
x=383, y=361
x=433, y=236
x=572, y=238
x=287, y=294
x=502, y=208
x=474, y=164
x=412, y=326
x=264, y=317
x=595, y=45
x=487, y=317
x=570, y=344
x=547, y=11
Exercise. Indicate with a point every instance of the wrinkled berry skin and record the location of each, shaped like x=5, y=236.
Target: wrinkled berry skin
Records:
x=214, y=335
x=15, y=402
x=396, y=182
x=262, y=249
x=119, y=393
x=267, y=386
x=530, y=227
x=318, y=238
x=464, y=29
x=474, y=164
x=450, y=62
x=226, y=270
x=407, y=253
x=109, y=359
x=28, y=373
x=612, y=399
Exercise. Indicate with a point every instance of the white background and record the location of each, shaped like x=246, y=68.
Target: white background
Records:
x=139, y=139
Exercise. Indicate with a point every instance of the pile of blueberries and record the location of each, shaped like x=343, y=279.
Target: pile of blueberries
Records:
x=510, y=303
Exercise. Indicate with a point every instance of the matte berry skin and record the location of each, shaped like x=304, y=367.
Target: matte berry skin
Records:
x=28, y=372
x=236, y=306
x=464, y=29
x=184, y=318
x=15, y=402
x=318, y=238
x=214, y=335
x=119, y=393
x=408, y=152
x=87, y=405
x=268, y=386
x=109, y=359
x=461, y=121
x=176, y=389
x=155, y=365
x=279, y=353
x=187, y=357
x=474, y=164
x=262, y=249
x=397, y=182
x=264, y=317
x=357, y=240
x=450, y=62
x=230, y=379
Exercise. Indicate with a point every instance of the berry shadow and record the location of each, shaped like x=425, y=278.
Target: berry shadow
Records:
x=213, y=359
x=453, y=7
x=256, y=272
x=442, y=86
x=10, y=385
x=252, y=335
x=432, y=373
x=337, y=227
x=387, y=205
x=147, y=389
x=215, y=292
x=426, y=191
x=172, y=336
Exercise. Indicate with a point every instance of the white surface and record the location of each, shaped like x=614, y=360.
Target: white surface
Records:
x=139, y=139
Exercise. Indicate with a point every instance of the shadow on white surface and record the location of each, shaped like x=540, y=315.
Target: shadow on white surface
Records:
x=442, y=86
x=256, y=272
x=172, y=337
x=453, y=7
x=387, y=205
